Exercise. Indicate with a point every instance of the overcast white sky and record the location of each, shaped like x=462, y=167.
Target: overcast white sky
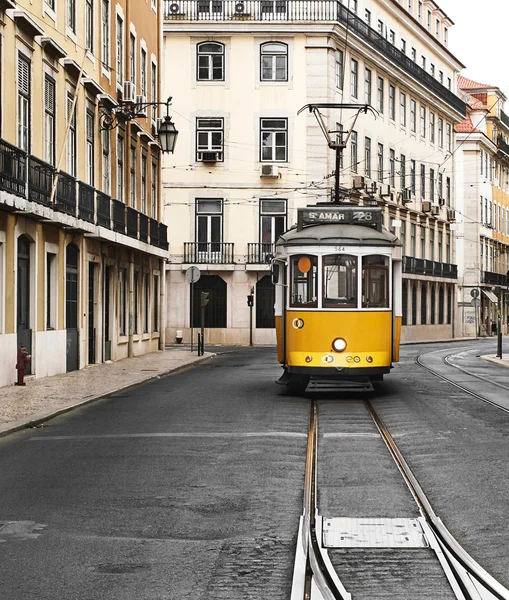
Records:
x=478, y=39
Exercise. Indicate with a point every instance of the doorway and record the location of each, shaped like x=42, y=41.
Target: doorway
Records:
x=71, y=306
x=24, y=333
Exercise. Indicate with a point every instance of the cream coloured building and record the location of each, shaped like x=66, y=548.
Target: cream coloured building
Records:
x=246, y=159
x=82, y=246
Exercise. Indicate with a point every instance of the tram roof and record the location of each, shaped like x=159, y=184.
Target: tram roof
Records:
x=337, y=234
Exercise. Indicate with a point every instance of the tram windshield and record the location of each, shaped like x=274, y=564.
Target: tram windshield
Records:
x=304, y=270
x=375, y=281
x=339, y=281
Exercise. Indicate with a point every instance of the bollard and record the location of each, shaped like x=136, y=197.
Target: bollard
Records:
x=23, y=359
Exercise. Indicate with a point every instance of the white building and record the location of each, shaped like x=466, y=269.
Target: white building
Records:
x=239, y=72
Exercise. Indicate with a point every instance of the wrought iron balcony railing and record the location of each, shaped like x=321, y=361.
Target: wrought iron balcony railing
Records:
x=163, y=236
x=86, y=202
x=219, y=253
x=132, y=222
x=65, y=197
x=143, y=227
x=491, y=278
x=310, y=11
x=431, y=268
x=502, y=145
x=13, y=165
x=260, y=253
x=118, y=216
x=103, y=210
x=40, y=180
x=504, y=118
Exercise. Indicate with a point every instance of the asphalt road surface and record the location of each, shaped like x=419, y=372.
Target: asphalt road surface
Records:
x=190, y=487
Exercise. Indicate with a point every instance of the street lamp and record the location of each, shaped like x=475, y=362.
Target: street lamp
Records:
x=127, y=110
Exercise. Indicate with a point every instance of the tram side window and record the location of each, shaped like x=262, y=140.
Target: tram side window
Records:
x=375, y=282
x=304, y=280
x=339, y=281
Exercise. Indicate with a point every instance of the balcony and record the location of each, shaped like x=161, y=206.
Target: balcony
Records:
x=330, y=11
x=212, y=253
x=504, y=118
x=430, y=268
x=502, y=145
x=260, y=254
x=491, y=278
x=32, y=179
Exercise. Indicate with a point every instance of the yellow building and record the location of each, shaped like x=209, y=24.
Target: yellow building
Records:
x=82, y=248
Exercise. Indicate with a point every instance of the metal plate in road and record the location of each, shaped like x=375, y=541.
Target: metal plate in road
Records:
x=344, y=532
x=193, y=274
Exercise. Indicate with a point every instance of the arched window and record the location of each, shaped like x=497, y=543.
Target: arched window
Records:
x=274, y=62
x=210, y=61
x=404, y=302
x=441, y=305
x=433, y=305
x=215, y=311
x=424, y=304
x=265, y=298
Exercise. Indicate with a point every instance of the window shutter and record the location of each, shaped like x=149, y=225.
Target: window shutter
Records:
x=69, y=110
x=23, y=75
x=49, y=95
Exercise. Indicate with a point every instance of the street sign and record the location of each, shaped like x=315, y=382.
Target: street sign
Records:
x=193, y=274
x=474, y=293
x=475, y=301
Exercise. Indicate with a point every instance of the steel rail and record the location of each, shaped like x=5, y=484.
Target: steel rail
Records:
x=463, y=370
x=457, y=385
x=441, y=532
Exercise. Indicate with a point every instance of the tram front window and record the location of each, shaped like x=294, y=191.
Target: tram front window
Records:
x=304, y=280
x=339, y=281
x=375, y=282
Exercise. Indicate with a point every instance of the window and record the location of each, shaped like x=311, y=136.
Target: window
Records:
x=404, y=303
x=413, y=249
x=380, y=27
x=304, y=280
x=339, y=69
x=402, y=171
x=402, y=109
x=353, y=152
x=50, y=4
x=272, y=222
x=367, y=86
x=424, y=307
x=153, y=89
x=49, y=120
x=120, y=51
x=423, y=121
x=413, y=116
x=71, y=136
x=432, y=243
x=122, y=301
x=154, y=186
x=440, y=133
x=402, y=236
x=105, y=28
x=375, y=282
x=146, y=302
x=423, y=181
x=432, y=70
x=71, y=15
x=132, y=58
x=143, y=184
x=413, y=54
x=448, y=136
x=429, y=20
x=23, y=102
x=339, y=140
x=446, y=36
x=367, y=156
x=155, y=302
x=380, y=95
x=367, y=17
x=440, y=186
x=354, y=78
x=432, y=127
x=132, y=176
x=423, y=62
x=90, y=146
x=209, y=139
x=432, y=185
x=89, y=25
x=392, y=37
x=274, y=62
x=380, y=161
x=437, y=27
x=419, y=12
x=136, y=284
x=412, y=176
x=441, y=77
x=392, y=167
x=392, y=103
x=106, y=161
x=210, y=61
x=353, y=6
x=143, y=72
x=120, y=168
x=449, y=83
x=403, y=46
x=209, y=224
x=448, y=191
x=423, y=241
x=273, y=140
x=340, y=281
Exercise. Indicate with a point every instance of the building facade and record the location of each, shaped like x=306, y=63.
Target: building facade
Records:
x=82, y=246
x=482, y=166
x=247, y=159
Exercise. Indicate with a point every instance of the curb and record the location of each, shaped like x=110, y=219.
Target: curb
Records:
x=497, y=361
x=46, y=415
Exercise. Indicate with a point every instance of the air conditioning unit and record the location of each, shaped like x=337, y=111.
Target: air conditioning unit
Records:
x=406, y=196
x=269, y=171
x=435, y=209
x=174, y=8
x=441, y=201
x=426, y=206
x=141, y=111
x=240, y=8
x=128, y=91
x=358, y=182
x=385, y=190
x=451, y=214
x=209, y=156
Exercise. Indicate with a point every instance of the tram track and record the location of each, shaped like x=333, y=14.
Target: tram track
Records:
x=314, y=575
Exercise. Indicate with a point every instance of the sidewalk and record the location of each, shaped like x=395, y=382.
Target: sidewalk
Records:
x=43, y=398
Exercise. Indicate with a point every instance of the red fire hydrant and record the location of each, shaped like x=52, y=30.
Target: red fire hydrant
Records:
x=23, y=359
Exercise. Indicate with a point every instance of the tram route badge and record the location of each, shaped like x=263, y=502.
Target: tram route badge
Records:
x=298, y=323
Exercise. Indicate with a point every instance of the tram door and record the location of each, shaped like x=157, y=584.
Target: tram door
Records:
x=71, y=306
x=24, y=333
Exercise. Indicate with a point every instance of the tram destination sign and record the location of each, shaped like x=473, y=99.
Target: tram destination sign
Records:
x=370, y=216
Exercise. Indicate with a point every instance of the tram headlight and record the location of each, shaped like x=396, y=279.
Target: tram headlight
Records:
x=339, y=345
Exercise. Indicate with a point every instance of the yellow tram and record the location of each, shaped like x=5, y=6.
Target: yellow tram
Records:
x=337, y=275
